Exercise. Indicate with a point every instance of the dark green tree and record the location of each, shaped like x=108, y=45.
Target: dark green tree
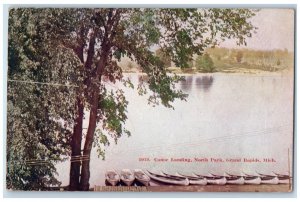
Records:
x=79, y=48
x=204, y=63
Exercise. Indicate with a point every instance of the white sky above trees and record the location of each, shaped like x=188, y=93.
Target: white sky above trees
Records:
x=275, y=31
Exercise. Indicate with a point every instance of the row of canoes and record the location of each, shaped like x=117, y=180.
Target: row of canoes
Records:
x=127, y=177
x=199, y=179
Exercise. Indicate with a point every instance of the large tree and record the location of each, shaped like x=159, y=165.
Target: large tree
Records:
x=78, y=49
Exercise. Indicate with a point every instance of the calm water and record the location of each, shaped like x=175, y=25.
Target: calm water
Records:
x=225, y=116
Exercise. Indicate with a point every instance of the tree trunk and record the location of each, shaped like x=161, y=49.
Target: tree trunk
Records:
x=76, y=149
x=85, y=170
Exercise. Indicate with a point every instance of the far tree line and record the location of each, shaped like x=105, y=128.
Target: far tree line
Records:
x=218, y=58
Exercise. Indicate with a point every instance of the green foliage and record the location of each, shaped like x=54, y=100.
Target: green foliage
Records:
x=204, y=63
x=79, y=48
x=36, y=138
x=232, y=59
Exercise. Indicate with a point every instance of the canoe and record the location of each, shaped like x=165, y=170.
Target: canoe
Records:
x=268, y=178
x=188, y=176
x=112, y=177
x=235, y=180
x=213, y=179
x=175, y=176
x=266, y=175
x=252, y=180
x=127, y=177
x=231, y=179
x=193, y=180
x=167, y=180
x=141, y=177
x=283, y=178
x=248, y=179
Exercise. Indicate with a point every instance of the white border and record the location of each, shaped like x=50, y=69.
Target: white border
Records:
x=234, y=3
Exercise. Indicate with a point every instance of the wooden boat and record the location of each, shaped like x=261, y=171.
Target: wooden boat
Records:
x=251, y=179
x=234, y=179
x=231, y=179
x=127, y=177
x=283, y=178
x=167, y=180
x=193, y=180
x=141, y=177
x=213, y=179
x=268, y=179
x=112, y=177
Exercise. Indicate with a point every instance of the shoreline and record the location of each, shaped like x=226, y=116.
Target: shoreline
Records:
x=287, y=72
x=198, y=188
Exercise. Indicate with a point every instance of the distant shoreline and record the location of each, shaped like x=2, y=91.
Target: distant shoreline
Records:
x=242, y=71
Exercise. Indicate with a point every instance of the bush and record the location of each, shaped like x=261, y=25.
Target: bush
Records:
x=204, y=63
x=278, y=62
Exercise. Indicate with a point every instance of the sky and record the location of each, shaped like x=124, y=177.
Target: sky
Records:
x=275, y=31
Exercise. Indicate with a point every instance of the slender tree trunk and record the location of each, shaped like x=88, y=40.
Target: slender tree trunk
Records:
x=76, y=149
x=85, y=170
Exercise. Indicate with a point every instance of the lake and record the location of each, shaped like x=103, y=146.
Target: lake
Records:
x=230, y=122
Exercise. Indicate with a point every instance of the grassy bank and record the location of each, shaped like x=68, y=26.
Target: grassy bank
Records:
x=231, y=61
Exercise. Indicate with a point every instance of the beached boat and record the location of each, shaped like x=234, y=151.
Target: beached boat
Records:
x=234, y=179
x=268, y=179
x=213, y=179
x=283, y=178
x=193, y=180
x=248, y=179
x=141, y=177
x=127, y=177
x=251, y=179
x=231, y=179
x=112, y=177
x=167, y=180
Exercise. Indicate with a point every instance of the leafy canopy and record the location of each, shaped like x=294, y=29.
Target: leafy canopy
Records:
x=80, y=49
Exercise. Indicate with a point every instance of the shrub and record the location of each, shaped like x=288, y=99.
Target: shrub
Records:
x=204, y=63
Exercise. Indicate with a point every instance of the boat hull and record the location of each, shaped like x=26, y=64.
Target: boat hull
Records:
x=219, y=181
x=274, y=180
x=165, y=180
x=198, y=182
x=127, y=177
x=284, y=181
x=112, y=178
x=256, y=180
x=238, y=181
x=141, y=177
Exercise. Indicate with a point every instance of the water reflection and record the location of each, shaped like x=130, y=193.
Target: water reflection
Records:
x=204, y=82
x=186, y=83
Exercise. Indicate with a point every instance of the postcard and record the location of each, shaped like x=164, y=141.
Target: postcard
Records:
x=150, y=99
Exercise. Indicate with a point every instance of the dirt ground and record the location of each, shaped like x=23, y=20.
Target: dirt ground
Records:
x=207, y=188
